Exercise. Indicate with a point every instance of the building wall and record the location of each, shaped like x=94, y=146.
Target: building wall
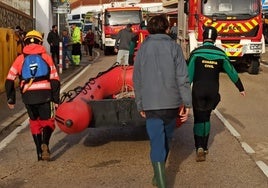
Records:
x=37, y=16
x=10, y=17
x=44, y=18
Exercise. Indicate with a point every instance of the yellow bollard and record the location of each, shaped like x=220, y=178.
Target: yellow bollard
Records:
x=4, y=38
x=13, y=45
x=2, y=79
x=8, y=53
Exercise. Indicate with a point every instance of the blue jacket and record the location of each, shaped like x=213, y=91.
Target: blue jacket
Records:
x=160, y=75
x=66, y=43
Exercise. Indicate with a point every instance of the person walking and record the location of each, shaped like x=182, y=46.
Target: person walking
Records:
x=205, y=64
x=89, y=41
x=19, y=38
x=76, y=46
x=174, y=31
x=143, y=24
x=66, y=48
x=53, y=40
x=122, y=44
x=161, y=86
x=40, y=90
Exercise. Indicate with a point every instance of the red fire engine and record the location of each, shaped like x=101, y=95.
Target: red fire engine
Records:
x=239, y=26
x=112, y=20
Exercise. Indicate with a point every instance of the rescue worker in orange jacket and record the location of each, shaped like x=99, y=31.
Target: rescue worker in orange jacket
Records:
x=40, y=96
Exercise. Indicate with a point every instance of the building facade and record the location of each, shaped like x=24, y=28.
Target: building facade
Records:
x=16, y=13
x=28, y=14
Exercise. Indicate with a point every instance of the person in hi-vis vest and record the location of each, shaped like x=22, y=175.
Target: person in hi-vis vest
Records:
x=76, y=47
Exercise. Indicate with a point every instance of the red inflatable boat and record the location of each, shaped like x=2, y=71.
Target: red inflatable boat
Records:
x=106, y=100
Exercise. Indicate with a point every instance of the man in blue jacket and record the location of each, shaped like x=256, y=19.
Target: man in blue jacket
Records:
x=161, y=86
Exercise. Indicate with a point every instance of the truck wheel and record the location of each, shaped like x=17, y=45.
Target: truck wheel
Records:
x=254, y=66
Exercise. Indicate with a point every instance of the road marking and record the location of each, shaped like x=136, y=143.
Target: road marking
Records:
x=244, y=145
x=227, y=124
x=13, y=135
x=263, y=167
x=75, y=78
x=265, y=65
x=247, y=148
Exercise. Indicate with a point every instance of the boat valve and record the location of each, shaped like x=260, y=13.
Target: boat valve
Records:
x=68, y=123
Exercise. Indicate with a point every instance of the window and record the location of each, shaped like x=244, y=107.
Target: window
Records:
x=122, y=17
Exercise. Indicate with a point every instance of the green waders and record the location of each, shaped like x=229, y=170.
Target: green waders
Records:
x=159, y=178
x=201, y=136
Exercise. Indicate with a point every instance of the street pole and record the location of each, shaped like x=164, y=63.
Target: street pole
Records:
x=58, y=22
x=60, y=58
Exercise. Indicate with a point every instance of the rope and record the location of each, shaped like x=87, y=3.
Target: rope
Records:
x=73, y=93
x=126, y=90
x=123, y=89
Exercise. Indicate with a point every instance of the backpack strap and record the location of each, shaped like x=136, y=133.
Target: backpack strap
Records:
x=24, y=89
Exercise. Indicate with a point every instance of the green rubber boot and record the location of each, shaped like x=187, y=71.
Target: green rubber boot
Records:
x=159, y=174
x=154, y=183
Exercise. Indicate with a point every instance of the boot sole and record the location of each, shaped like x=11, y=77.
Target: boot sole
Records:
x=200, y=155
x=45, y=152
x=154, y=183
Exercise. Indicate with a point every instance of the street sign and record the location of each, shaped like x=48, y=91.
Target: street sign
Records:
x=61, y=10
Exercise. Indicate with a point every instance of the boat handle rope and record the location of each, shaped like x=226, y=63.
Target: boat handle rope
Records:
x=73, y=93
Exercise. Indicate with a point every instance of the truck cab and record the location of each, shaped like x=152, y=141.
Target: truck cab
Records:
x=239, y=26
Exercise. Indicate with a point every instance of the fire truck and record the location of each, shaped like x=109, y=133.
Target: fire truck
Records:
x=111, y=20
x=239, y=25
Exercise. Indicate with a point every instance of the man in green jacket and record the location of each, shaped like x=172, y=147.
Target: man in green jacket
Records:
x=205, y=65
